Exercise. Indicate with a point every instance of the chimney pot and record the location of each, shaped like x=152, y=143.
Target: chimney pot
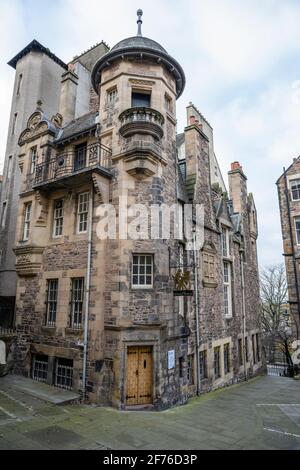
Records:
x=236, y=166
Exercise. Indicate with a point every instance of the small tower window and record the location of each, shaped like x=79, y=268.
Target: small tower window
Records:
x=112, y=97
x=140, y=99
x=168, y=104
x=14, y=123
x=19, y=83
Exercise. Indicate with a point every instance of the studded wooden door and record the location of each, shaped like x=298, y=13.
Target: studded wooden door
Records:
x=139, y=375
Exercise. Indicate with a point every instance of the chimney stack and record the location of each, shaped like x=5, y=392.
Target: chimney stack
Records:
x=237, y=187
x=68, y=95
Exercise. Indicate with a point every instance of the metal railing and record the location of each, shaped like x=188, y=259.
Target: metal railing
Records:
x=282, y=370
x=71, y=163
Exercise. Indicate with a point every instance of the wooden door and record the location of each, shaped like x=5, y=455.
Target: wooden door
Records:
x=139, y=375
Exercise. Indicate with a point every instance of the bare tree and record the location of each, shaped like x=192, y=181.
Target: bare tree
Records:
x=277, y=328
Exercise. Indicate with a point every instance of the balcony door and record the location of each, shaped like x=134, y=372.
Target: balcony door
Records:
x=80, y=157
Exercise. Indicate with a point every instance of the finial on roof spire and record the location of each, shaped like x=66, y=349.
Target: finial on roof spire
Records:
x=139, y=21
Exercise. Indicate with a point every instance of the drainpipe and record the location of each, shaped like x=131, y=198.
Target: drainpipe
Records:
x=196, y=312
x=292, y=243
x=244, y=313
x=87, y=294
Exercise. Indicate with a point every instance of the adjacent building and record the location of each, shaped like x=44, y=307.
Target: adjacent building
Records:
x=288, y=186
x=127, y=320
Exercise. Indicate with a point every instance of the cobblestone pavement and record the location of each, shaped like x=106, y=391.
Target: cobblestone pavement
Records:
x=261, y=414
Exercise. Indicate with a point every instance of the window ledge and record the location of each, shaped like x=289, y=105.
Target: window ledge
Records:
x=51, y=330
x=213, y=284
x=73, y=331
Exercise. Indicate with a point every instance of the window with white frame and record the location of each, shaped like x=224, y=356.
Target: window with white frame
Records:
x=112, y=96
x=82, y=212
x=33, y=159
x=142, y=271
x=27, y=218
x=51, y=303
x=295, y=189
x=58, y=218
x=297, y=228
x=77, y=292
x=3, y=214
x=227, y=289
x=225, y=242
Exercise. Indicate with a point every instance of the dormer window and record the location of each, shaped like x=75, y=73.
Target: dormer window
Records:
x=295, y=189
x=140, y=99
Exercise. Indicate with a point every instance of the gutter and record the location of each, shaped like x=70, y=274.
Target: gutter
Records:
x=87, y=295
x=197, y=316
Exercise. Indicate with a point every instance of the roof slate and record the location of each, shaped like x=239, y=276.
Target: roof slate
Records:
x=76, y=127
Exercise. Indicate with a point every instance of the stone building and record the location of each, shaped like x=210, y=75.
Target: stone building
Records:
x=288, y=186
x=112, y=315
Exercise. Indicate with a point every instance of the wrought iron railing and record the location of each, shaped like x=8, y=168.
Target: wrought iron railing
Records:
x=71, y=163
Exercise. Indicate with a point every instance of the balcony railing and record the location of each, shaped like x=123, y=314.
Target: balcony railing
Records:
x=72, y=163
x=141, y=121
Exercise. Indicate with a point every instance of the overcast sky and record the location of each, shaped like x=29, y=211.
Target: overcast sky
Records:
x=241, y=60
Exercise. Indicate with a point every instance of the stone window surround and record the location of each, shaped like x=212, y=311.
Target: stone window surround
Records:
x=142, y=286
x=297, y=230
x=240, y=337
x=55, y=217
x=25, y=229
x=290, y=179
x=210, y=360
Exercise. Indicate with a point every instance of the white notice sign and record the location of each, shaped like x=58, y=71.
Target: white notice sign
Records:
x=171, y=359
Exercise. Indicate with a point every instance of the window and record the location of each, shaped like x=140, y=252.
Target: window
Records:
x=14, y=123
x=227, y=289
x=27, y=217
x=58, y=218
x=295, y=189
x=40, y=368
x=19, y=83
x=297, y=227
x=226, y=358
x=240, y=352
x=3, y=215
x=142, y=271
x=253, y=349
x=112, y=96
x=64, y=373
x=257, y=348
x=9, y=167
x=217, y=368
x=33, y=158
x=168, y=104
x=246, y=349
x=203, y=364
x=225, y=242
x=82, y=213
x=51, y=304
x=181, y=298
x=80, y=157
x=77, y=292
x=140, y=99
x=190, y=369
